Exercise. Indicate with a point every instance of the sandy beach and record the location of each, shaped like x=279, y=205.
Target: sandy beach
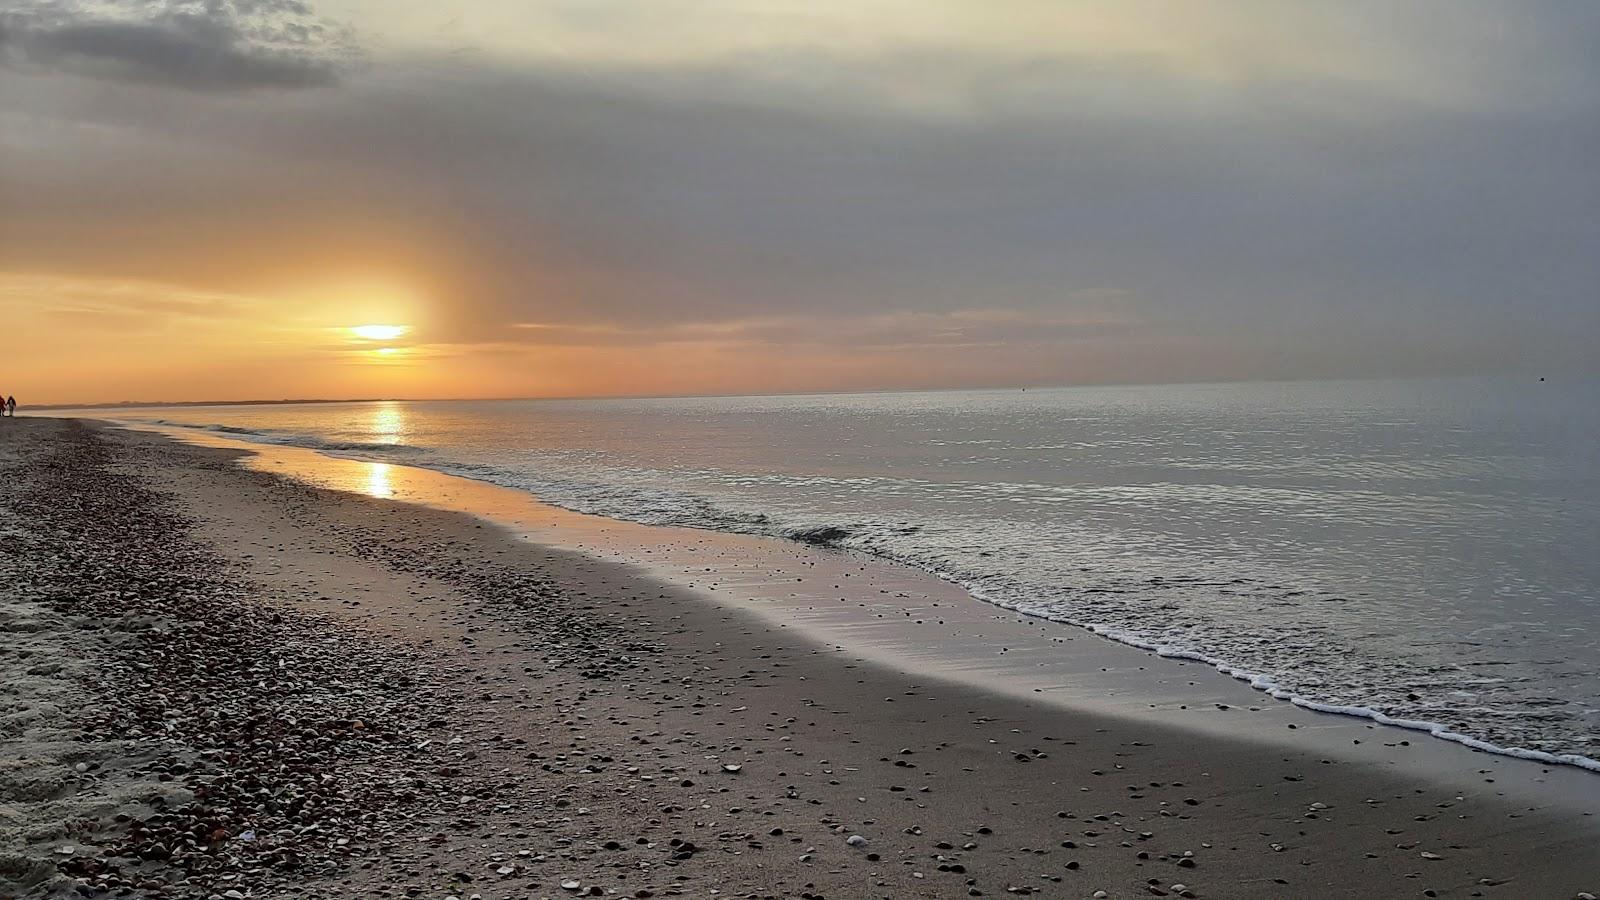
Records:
x=221, y=682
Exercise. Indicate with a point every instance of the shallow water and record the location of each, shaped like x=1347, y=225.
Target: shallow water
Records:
x=1423, y=549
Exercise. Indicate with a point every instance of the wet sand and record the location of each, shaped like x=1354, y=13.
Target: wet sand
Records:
x=564, y=723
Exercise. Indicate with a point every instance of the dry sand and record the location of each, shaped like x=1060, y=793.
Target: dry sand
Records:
x=304, y=693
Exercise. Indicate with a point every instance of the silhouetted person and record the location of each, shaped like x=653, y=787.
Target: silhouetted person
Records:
x=11, y=406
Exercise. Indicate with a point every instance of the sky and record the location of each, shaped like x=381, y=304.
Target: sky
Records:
x=200, y=199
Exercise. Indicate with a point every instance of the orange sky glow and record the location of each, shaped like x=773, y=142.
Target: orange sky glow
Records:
x=107, y=341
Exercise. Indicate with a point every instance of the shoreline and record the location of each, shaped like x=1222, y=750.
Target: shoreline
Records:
x=592, y=712
x=573, y=532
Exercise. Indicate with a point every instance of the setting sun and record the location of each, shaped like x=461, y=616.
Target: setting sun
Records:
x=379, y=332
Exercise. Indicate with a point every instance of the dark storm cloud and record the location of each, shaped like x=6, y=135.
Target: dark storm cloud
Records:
x=1279, y=223
x=204, y=46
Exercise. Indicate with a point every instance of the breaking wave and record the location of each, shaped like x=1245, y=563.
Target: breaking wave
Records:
x=817, y=535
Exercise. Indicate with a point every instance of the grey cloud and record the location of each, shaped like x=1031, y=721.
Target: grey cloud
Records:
x=210, y=46
x=1269, y=213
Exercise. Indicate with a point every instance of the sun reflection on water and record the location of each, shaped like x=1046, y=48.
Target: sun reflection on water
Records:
x=389, y=423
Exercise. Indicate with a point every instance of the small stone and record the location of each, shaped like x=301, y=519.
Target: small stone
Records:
x=856, y=840
x=570, y=885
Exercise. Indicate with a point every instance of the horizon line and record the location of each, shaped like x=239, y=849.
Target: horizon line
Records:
x=141, y=404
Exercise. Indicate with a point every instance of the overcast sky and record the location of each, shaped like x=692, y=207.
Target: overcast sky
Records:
x=198, y=199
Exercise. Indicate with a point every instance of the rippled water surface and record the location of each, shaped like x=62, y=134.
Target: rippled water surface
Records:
x=1426, y=549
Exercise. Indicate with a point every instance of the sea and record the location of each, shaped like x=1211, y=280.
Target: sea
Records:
x=1424, y=552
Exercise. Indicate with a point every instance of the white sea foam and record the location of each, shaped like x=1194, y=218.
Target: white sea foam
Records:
x=1266, y=684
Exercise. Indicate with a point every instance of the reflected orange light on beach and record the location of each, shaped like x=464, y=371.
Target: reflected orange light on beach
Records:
x=378, y=483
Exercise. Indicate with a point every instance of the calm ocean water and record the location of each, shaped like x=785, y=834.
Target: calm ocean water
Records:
x=1425, y=550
